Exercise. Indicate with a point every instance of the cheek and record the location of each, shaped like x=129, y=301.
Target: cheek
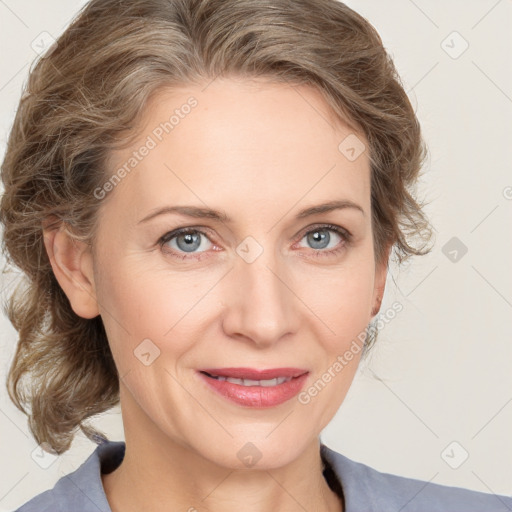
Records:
x=342, y=302
x=342, y=298
x=137, y=306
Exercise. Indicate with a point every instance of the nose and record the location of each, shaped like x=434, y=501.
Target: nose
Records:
x=260, y=303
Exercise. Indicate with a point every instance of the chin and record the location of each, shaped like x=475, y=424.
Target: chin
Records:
x=259, y=451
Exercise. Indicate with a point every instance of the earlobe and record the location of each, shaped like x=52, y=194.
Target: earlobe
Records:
x=376, y=307
x=71, y=262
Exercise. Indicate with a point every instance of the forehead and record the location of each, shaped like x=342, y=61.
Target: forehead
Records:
x=242, y=143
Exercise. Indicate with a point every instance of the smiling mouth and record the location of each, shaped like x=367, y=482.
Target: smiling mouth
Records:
x=255, y=388
x=250, y=382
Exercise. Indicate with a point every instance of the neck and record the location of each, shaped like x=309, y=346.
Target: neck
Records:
x=159, y=474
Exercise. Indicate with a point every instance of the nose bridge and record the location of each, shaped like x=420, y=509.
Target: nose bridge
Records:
x=259, y=271
x=263, y=309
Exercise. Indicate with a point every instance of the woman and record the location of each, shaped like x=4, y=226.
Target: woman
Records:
x=205, y=196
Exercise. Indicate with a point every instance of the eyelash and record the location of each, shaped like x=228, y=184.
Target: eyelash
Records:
x=343, y=233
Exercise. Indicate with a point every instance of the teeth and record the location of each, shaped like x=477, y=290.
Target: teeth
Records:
x=250, y=382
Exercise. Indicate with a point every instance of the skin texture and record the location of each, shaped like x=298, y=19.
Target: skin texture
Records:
x=260, y=152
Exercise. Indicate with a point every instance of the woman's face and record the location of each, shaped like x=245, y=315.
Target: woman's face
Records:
x=268, y=288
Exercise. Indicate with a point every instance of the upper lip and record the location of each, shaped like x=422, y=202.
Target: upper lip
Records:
x=255, y=374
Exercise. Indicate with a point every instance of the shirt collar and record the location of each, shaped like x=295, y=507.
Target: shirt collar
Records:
x=109, y=454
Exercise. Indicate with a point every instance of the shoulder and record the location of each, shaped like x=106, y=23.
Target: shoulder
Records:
x=366, y=489
x=82, y=489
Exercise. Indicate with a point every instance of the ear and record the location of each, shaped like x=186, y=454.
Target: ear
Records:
x=381, y=272
x=71, y=262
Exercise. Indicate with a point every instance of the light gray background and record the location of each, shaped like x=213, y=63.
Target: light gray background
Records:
x=439, y=383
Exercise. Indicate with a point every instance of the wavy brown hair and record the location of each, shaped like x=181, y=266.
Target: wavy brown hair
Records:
x=87, y=94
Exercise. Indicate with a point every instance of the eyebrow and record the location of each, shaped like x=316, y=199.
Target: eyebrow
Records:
x=208, y=213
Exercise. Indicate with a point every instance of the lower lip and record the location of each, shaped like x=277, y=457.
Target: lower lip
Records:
x=256, y=396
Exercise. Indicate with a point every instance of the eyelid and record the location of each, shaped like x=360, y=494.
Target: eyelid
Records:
x=345, y=235
x=205, y=231
x=323, y=225
x=173, y=233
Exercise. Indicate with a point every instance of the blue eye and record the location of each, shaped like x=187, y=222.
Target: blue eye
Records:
x=187, y=241
x=319, y=238
x=184, y=243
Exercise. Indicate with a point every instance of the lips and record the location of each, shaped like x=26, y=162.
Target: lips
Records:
x=254, y=374
x=254, y=388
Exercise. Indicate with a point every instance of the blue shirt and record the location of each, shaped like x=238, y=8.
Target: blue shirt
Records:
x=362, y=488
